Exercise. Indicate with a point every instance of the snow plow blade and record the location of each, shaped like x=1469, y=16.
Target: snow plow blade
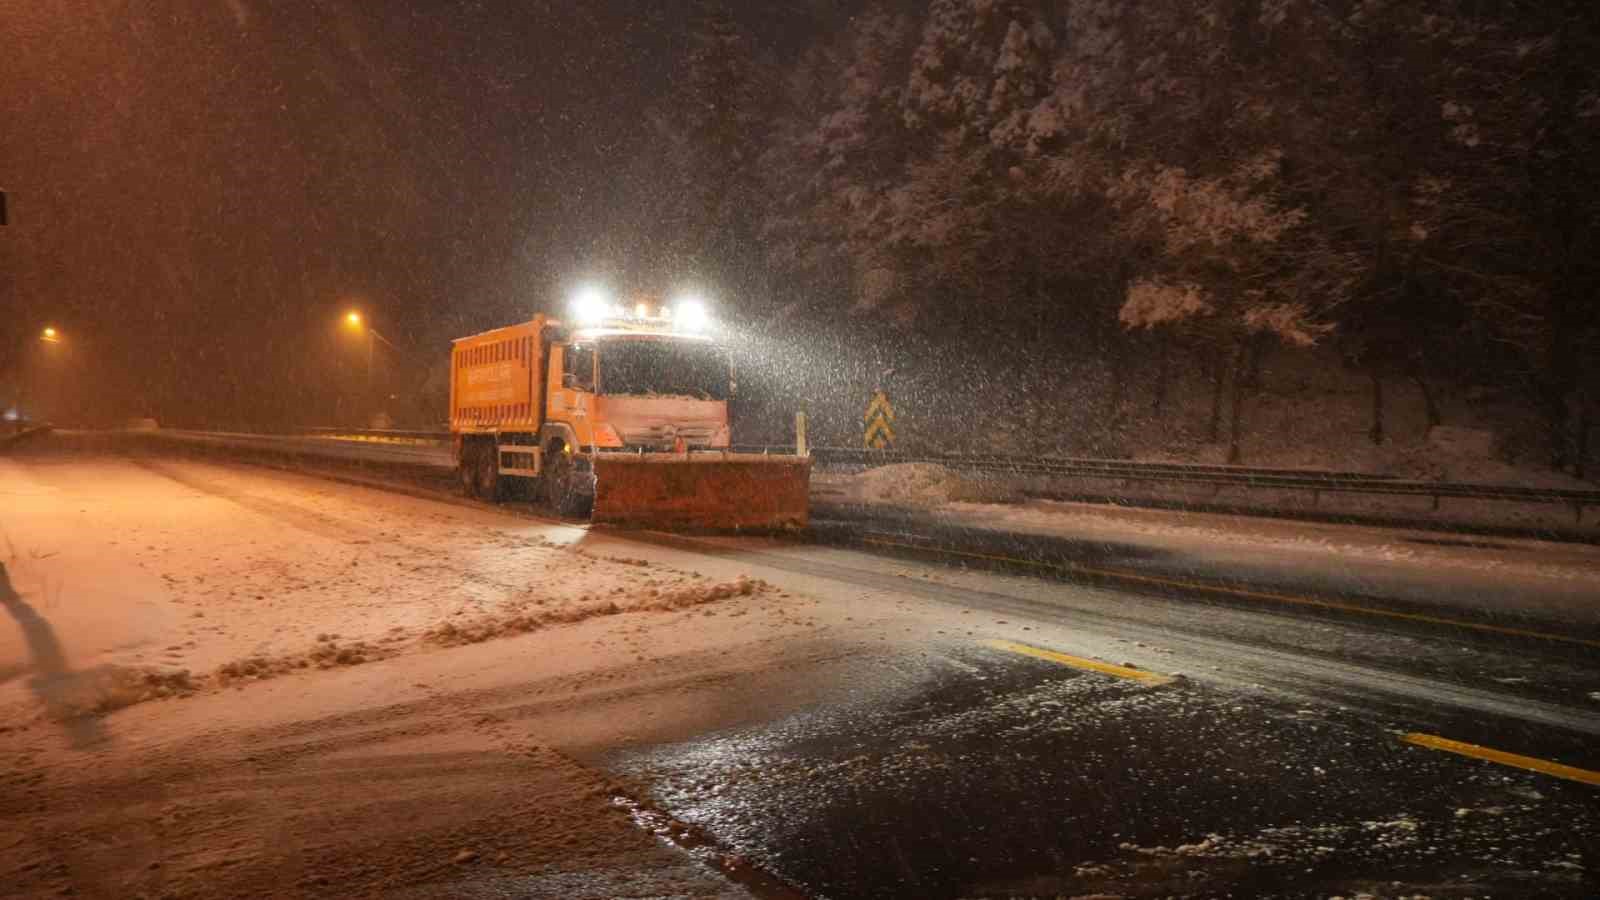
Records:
x=703, y=491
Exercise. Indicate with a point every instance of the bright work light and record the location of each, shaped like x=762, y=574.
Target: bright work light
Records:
x=689, y=314
x=590, y=304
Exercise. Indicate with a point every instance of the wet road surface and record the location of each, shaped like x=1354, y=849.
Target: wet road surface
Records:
x=975, y=771
x=1292, y=755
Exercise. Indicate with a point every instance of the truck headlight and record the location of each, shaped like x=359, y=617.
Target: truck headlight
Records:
x=590, y=305
x=689, y=314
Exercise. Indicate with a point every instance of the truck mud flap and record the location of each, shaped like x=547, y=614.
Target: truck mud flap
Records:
x=702, y=492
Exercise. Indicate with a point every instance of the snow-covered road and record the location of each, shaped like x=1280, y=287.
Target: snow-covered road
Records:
x=230, y=681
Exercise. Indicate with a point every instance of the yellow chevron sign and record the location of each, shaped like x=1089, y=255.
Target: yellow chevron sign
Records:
x=878, y=423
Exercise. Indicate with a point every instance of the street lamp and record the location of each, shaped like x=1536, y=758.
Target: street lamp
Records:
x=30, y=374
x=354, y=319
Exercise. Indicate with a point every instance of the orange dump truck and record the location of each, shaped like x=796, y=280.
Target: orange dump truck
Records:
x=624, y=418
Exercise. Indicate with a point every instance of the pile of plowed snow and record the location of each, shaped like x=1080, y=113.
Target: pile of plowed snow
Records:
x=107, y=688
x=522, y=619
x=926, y=484
x=327, y=654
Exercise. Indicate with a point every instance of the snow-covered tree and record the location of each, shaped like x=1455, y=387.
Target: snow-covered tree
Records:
x=1230, y=174
x=1506, y=205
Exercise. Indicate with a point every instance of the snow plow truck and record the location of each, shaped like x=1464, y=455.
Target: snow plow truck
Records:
x=621, y=416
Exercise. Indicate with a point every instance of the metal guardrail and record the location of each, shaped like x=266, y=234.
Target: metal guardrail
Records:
x=1314, y=481
x=999, y=462
x=18, y=437
x=408, y=453
x=1251, y=477
x=378, y=434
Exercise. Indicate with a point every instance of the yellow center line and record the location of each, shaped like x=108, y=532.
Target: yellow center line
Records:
x=1531, y=763
x=1240, y=592
x=1078, y=662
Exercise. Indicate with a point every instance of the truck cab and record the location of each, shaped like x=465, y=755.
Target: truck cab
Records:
x=632, y=390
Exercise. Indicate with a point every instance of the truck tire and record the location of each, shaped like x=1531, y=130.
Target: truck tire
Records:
x=565, y=487
x=467, y=469
x=490, y=486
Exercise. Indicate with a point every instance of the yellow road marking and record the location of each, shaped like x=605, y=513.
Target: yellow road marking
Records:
x=1240, y=592
x=1078, y=662
x=1531, y=763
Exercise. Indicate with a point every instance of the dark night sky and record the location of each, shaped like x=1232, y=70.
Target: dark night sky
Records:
x=198, y=189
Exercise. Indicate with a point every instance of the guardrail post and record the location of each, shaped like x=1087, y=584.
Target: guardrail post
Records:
x=1435, y=502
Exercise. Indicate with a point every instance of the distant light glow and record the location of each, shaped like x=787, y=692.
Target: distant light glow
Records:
x=642, y=310
x=690, y=314
x=590, y=304
x=49, y=334
x=353, y=319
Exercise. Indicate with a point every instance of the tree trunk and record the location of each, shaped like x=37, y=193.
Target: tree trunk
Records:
x=1427, y=401
x=1377, y=409
x=1558, y=419
x=1581, y=469
x=1236, y=414
x=1163, y=373
x=1258, y=351
x=1219, y=373
x=1110, y=439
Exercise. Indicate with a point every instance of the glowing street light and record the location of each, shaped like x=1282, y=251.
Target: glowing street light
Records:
x=30, y=374
x=356, y=322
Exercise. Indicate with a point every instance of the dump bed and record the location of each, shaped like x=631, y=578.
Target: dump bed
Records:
x=496, y=379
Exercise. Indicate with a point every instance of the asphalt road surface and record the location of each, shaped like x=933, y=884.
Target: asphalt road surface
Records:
x=387, y=695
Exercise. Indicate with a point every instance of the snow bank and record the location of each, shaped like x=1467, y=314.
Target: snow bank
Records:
x=326, y=654
x=520, y=619
x=910, y=483
x=107, y=688
x=1311, y=411
x=926, y=484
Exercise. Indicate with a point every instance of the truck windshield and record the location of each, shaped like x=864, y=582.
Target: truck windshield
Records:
x=664, y=368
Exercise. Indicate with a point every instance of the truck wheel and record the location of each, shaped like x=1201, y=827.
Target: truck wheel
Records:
x=490, y=485
x=566, y=493
x=467, y=469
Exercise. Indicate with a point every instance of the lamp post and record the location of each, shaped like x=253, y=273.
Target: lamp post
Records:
x=32, y=365
x=354, y=319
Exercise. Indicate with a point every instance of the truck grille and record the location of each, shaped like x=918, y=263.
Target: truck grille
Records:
x=663, y=436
